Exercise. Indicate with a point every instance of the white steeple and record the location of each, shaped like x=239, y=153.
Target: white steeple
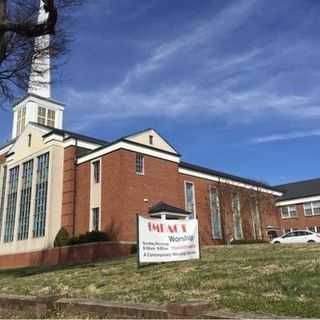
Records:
x=38, y=106
x=39, y=82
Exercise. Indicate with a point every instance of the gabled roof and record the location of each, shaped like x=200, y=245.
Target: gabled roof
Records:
x=140, y=132
x=226, y=176
x=300, y=189
x=38, y=97
x=68, y=134
x=8, y=143
x=164, y=207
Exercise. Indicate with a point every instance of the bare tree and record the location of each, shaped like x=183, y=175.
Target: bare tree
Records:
x=19, y=28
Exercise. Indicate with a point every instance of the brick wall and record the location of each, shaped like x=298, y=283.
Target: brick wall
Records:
x=124, y=194
x=300, y=222
x=67, y=255
x=69, y=189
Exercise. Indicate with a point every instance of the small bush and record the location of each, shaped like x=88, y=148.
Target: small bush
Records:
x=134, y=249
x=62, y=238
x=248, y=241
x=93, y=236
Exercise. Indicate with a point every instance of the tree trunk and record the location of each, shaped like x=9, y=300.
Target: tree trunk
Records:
x=3, y=4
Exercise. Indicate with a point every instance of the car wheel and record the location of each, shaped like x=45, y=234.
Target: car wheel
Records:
x=277, y=242
x=311, y=241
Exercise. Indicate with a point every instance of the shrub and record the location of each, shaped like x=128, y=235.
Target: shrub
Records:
x=248, y=241
x=134, y=249
x=93, y=236
x=62, y=238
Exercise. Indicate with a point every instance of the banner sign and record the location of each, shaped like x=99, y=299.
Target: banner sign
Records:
x=167, y=240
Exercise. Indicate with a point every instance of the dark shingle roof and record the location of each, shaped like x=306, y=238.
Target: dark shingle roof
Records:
x=300, y=189
x=69, y=134
x=164, y=207
x=227, y=176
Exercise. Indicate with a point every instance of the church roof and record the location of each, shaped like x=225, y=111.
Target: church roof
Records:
x=69, y=134
x=224, y=175
x=300, y=189
x=37, y=96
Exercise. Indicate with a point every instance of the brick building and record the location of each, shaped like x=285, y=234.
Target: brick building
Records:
x=51, y=178
x=299, y=206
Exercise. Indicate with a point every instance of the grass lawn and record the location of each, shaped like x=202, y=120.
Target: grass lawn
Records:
x=281, y=280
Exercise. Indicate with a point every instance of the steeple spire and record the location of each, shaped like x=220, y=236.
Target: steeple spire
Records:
x=39, y=82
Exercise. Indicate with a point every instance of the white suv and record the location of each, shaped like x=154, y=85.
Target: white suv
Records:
x=298, y=236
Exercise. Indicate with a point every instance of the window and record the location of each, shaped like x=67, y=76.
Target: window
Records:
x=312, y=228
x=29, y=140
x=236, y=216
x=11, y=204
x=42, y=112
x=95, y=219
x=256, y=223
x=96, y=171
x=311, y=208
x=21, y=120
x=140, y=164
x=190, y=198
x=288, y=212
x=215, y=214
x=39, y=221
x=25, y=200
x=51, y=118
x=151, y=139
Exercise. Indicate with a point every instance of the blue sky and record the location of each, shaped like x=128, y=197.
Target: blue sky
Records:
x=234, y=85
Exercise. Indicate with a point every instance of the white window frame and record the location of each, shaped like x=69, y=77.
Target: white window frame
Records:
x=215, y=211
x=91, y=219
x=290, y=212
x=94, y=176
x=193, y=198
x=312, y=207
x=236, y=195
x=140, y=173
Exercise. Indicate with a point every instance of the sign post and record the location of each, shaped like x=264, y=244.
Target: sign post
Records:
x=167, y=240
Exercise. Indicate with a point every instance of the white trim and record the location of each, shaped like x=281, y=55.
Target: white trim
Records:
x=227, y=181
x=53, y=137
x=127, y=146
x=81, y=144
x=171, y=214
x=6, y=149
x=297, y=201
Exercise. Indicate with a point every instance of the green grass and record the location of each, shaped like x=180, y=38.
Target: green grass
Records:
x=281, y=280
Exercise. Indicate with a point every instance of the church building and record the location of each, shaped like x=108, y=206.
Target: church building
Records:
x=52, y=178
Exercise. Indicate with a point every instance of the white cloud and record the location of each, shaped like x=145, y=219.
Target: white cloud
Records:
x=220, y=96
x=285, y=136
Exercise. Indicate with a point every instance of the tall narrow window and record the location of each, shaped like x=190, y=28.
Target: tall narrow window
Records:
x=51, y=118
x=25, y=200
x=190, y=198
x=39, y=221
x=236, y=216
x=256, y=222
x=215, y=214
x=42, y=112
x=151, y=139
x=96, y=171
x=139, y=164
x=21, y=120
x=95, y=219
x=11, y=204
x=3, y=192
